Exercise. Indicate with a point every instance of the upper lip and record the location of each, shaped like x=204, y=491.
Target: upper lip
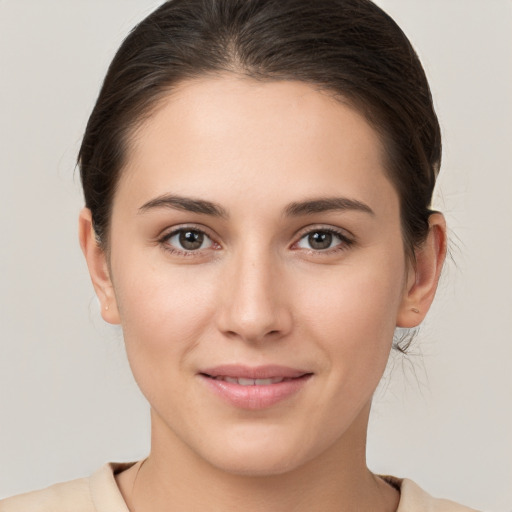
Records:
x=253, y=372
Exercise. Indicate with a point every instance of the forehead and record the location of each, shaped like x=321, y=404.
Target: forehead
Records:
x=216, y=136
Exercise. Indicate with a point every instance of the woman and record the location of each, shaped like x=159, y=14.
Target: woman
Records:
x=257, y=178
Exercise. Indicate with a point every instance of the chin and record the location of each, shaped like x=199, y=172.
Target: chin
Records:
x=260, y=455
x=256, y=464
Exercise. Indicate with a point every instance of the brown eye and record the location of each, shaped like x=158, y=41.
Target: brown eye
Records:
x=322, y=240
x=189, y=240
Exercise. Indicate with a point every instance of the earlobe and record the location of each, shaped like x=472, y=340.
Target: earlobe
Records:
x=424, y=277
x=98, y=268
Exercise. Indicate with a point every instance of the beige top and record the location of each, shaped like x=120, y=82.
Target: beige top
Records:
x=99, y=493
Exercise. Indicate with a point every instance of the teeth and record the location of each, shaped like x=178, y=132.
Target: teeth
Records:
x=263, y=382
x=267, y=382
x=251, y=382
x=246, y=382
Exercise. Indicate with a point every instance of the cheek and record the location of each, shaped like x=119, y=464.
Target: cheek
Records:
x=164, y=312
x=353, y=315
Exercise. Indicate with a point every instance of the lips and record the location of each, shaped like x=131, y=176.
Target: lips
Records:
x=251, y=382
x=254, y=372
x=254, y=387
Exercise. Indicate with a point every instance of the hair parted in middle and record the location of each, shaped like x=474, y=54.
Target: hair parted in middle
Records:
x=348, y=48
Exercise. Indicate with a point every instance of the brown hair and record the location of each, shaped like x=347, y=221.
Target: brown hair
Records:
x=350, y=48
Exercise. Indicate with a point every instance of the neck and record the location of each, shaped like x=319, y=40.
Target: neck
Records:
x=335, y=481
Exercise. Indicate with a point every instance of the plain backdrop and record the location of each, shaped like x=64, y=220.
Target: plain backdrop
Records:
x=68, y=403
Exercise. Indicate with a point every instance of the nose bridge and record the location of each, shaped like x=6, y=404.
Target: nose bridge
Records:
x=254, y=305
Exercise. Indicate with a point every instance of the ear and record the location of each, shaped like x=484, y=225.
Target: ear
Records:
x=98, y=268
x=424, y=275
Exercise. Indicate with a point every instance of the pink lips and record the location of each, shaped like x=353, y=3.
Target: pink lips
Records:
x=254, y=387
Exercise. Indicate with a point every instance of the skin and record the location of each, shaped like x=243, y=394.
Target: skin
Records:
x=257, y=292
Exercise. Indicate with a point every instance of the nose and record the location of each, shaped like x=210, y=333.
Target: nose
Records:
x=254, y=304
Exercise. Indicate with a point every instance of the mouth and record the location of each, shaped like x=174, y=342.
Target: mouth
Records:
x=254, y=387
x=250, y=382
x=254, y=373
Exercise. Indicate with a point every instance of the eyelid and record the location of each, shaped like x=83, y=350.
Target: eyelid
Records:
x=345, y=236
x=166, y=234
x=342, y=232
x=169, y=230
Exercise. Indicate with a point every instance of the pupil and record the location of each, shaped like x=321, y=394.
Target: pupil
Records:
x=191, y=240
x=320, y=240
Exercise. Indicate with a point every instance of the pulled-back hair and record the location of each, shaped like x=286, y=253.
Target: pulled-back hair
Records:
x=350, y=48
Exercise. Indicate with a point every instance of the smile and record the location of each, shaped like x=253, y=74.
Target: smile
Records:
x=254, y=388
x=251, y=382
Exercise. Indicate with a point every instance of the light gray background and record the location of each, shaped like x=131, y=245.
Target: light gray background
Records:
x=67, y=399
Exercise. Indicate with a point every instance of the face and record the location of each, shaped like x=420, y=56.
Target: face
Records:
x=258, y=269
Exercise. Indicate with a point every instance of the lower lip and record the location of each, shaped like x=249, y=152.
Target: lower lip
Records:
x=255, y=397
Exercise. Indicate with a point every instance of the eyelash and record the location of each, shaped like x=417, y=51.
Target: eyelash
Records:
x=164, y=241
x=345, y=241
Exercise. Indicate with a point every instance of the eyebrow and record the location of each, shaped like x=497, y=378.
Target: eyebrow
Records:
x=295, y=209
x=326, y=204
x=187, y=204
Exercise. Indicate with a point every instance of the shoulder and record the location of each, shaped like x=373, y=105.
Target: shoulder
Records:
x=66, y=497
x=414, y=499
x=98, y=492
